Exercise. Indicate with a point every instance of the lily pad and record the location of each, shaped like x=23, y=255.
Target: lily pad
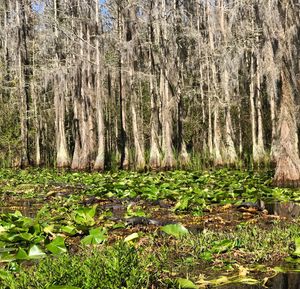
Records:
x=185, y=283
x=175, y=230
x=22, y=255
x=131, y=237
x=57, y=246
x=96, y=236
x=35, y=252
x=296, y=253
x=85, y=216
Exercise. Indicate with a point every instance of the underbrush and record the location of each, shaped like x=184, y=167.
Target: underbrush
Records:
x=158, y=261
x=111, y=267
x=85, y=233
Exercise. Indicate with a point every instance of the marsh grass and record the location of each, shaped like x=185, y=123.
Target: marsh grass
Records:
x=158, y=261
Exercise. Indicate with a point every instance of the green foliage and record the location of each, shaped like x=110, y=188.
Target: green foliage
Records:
x=63, y=287
x=66, y=220
x=24, y=238
x=185, y=283
x=191, y=191
x=96, y=236
x=296, y=253
x=114, y=267
x=176, y=230
x=85, y=216
x=57, y=246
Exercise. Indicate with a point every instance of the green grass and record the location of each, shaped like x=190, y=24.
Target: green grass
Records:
x=112, y=267
x=159, y=261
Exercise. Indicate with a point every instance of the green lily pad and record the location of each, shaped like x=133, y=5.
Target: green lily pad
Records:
x=22, y=255
x=176, y=230
x=57, y=246
x=35, y=252
x=131, y=237
x=96, y=236
x=185, y=283
x=85, y=216
x=296, y=253
x=71, y=230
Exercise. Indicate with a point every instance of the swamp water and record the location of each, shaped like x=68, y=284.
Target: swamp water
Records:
x=288, y=210
x=281, y=281
x=27, y=208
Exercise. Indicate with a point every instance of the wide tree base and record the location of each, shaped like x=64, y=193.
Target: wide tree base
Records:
x=287, y=172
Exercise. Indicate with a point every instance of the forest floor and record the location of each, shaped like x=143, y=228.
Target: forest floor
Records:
x=175, y=229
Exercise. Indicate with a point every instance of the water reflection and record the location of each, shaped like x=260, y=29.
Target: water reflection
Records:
x=281, y=281
x=27, y=208
x=285, y=281
x=288, y=210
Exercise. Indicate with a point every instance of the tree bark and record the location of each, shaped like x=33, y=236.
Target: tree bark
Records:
x=230, y=155
x=82, y=157
x=62, y=153
x=155, y=156
x=24, y=86
x=100, y=159
x=287, y=171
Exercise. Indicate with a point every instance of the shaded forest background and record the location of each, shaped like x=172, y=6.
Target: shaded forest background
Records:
x=149, y=83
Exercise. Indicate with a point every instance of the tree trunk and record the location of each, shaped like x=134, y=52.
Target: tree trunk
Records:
x=139, y=148
x=23, y=63
x=155, y=156
x=137, y=128
x=287, y=171
x=62, y=154
x=36, y=119
x=218, y=160
x=82, y=155
x=100, y=159
x=122, y=97
x=168, y=161
x=260, y=134
x=230, y=155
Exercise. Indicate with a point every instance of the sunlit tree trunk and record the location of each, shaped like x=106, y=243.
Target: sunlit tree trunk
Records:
x=184, y=157
x=287, y=171
x=36, y=116
x=252, y=108
x=217, y=132
x=218, y=160
x=155, y=156
x=62, y=154
x=100, y=159
x=81, y=154
x=136, y=126
x=122, y=95
x=168, y=161
x=132, y=39
x=230, y=155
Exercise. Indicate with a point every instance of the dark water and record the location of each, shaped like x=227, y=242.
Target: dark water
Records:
x=281, y=281
x=285, y=281
x=287, y=210
x=27, y=208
